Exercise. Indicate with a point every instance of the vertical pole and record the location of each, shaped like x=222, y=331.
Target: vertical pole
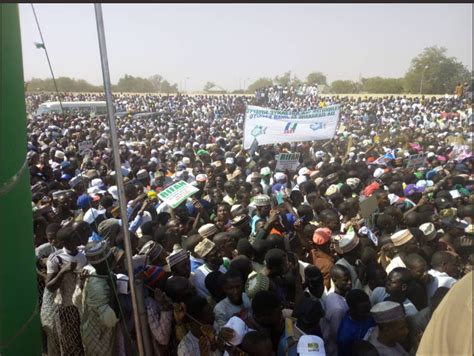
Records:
x=19, y=311
x=421, y=83
x=47, y=57
x=143, y=318
x=118, y=171
x=422, y=77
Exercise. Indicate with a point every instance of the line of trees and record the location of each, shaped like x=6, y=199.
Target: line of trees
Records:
x=128, y=83
x=431, y=72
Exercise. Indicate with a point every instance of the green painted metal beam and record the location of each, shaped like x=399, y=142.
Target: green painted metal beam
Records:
x=19, y=314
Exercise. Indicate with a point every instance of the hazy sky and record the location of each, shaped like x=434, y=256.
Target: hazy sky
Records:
x=229, y=43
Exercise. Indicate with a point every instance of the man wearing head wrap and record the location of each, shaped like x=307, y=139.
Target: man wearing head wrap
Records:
x=109, y=229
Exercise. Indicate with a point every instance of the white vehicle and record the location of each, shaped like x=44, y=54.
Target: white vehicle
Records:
x=85, y=107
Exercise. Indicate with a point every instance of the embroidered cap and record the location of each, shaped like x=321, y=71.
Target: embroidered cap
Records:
x=401, y=237
x=256, y=282
x=203, y=248
x=386, y=312
x=348, y=242
x=97, y=252
x=177, y=257
x=142, y=174
x=208, y=230
x=428, y=230
x=262, y=200
x=152, y=250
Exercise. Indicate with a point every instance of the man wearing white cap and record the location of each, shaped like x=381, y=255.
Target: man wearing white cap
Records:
x=213, y=261
x=350, y=249
x=267, y=179
x=403, y=240
x=263, y=204
x=391, y=329
x=310, y=345
x=230, y=167
x=57, y=159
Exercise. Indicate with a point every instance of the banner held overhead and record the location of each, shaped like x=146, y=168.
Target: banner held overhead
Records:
x=267, y=126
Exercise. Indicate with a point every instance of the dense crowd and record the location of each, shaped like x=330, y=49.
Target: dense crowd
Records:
x=365, y=249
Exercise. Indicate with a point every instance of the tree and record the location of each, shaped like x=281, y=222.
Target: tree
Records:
x=296, y=82
x=156, y=81
x=208, y=86
x=166, y=87
x=284, y=80
x=161, y=85
x=345, y=87
x=64, y=84
x=259, y=84
x=316, y=78
x=439, y=72
x=378, y=85
x=133, y=84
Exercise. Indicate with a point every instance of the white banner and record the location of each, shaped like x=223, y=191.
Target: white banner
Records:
x=268, y=126
x=288, y=161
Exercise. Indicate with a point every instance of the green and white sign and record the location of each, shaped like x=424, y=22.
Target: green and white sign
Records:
x=287, y=161
x=177, y=193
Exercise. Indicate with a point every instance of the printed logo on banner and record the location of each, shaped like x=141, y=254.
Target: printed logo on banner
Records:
x=258, y=130
x=290, y=128
x=317, y=126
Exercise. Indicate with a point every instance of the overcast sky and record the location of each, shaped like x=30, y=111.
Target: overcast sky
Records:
x=230, y=44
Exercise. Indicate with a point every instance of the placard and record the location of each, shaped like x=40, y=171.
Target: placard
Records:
x=417, y=160
x=177, y=193
x=287, y=161
x=368, y=206
x=85, y=146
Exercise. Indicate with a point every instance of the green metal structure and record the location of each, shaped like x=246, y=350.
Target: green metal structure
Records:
x=19, y=313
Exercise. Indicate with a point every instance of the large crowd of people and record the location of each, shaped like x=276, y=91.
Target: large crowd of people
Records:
x=363, y=249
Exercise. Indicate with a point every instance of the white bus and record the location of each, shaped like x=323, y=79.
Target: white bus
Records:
x=84, y=107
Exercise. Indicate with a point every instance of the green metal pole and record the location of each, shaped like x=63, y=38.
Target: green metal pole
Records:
x=19, y=314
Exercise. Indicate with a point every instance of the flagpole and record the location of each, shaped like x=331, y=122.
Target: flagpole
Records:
x=118, y=173
x=47, y=57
